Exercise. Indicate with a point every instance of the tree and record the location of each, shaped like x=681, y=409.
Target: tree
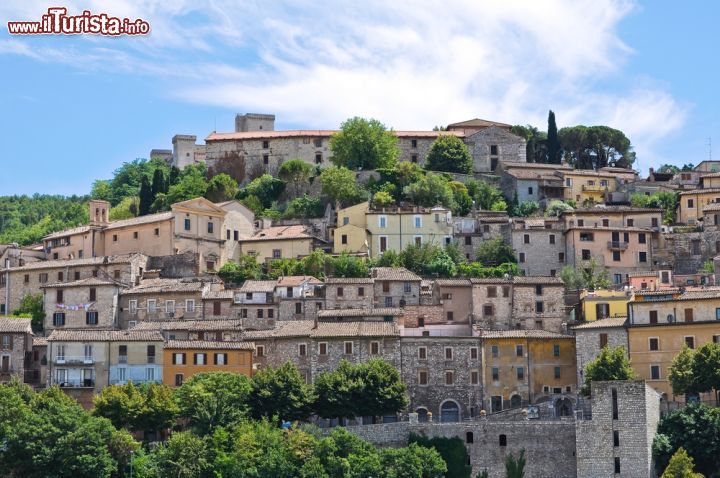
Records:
x=282, y=393
x=462, y=201
x=452, y=451
x=696, y=428
x=681, y=466
x=146, y=408
x=213, y=399
x=382, y=199
x=304, y=207
x=590, y=275
x=495, y=252
x=429, y=191
x=706, y=368
x=553, y=142
x=681, y=372
x=146, y=196
x=556, y=208
x=336, y=392
x=184, y=456
x=535, y=143
x=364, y=144
x=159, y=409
x=34, y=306
x=515, y=467
x=128, y=208
x=594, y=147
x=668, y=168
x=666, y=200
x=246, y=268
x=610, y=364
x=266, y=188
x=525, y=209
x=450, y=154
x=338, y=183
x=159, y=183
x=484, y=195
x=383, y=392
x=346, y=265
x=190, y=185
x=297, y=172
x=101, y=190
x=221, y=188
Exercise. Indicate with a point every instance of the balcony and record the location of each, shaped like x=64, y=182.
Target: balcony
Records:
x=594, y=188
x=86, y=383
x=67, y=360
x=617, y=245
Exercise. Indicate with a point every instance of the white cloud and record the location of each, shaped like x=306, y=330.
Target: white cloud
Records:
x=411, y=63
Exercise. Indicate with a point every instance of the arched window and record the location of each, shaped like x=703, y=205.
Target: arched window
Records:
x=449, y=412
x=422, y=414
x=515, y=401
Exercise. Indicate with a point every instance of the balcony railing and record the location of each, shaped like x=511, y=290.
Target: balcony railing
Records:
x=115, y=381
x=619, y=245
x=85, y=383
x=122, y=358
x=594, y=188
x=68, y=360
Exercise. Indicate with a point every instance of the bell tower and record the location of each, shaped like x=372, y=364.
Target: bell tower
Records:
x=98, y=213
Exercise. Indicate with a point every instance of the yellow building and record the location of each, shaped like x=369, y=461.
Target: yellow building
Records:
x=278, y=242
x=692, y=203
x=588, y=186
x=601, y=304
x=361, y=228
x=185, y=358
x=528, y=366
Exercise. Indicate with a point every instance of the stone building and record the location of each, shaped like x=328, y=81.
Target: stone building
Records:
x=590, y=339
x=532, y=182
x=81, y=304
x=279, y=242
x=299, y=297
x=492, y=303
x=349, y=293
x=16, y=342
x=395, y=286
x=256, y=304
x=13, y=255
x=539, y=245
x=185, y=358
x=539, y=303
x=16, y=282
x=455, y=296
x=470, y=232
x=617, y=439
x=135, y=357
x=204, y=329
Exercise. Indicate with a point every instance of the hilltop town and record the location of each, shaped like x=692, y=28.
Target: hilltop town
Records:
x=487, y=279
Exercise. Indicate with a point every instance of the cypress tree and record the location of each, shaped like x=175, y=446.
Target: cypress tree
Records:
x=158, y=183
x=553, y=142
x=146, y=196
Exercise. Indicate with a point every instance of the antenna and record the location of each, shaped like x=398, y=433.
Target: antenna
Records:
x=709, y=145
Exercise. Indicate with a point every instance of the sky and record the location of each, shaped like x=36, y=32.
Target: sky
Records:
x=74, y=108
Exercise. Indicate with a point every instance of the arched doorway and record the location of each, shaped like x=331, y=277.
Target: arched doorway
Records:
x=449, y=412
x=515, y=401
x=422, y=414
x=563, y=407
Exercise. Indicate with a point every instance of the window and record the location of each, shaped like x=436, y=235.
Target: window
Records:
x=271, y=313
x=474, y=377
x=449, y=377
x=530, y=190
x=348, y=348
x=210, y=227
x=318, y=158
x=417, y=221
x=388, y=301
x=448, y=353
x=76, y=276
x=383, y=243
x=260, y=313
x=450, y=316
x=382, y=222
x=654, y=372
x=586, y=254
x=157, y=232
x=561, y=257
x=557, y=372
x=688, y=315
x=135, y=235
x=178, y=359
x=407, y=287
x=690, y=342
x=495, y=374
x=151, y=354
x=413, y=143
x=642, y=256
x=717, y=314
x=587, y=237
x=493, y=150
x=503, y=440
x=122, y=374
x=322, y=348
x=617, y=464
x=6, y=341
x=556, y=350
x=116, y=274
x=374, y=348
x=642, y=239
x=520, y=373
x=552, y=238
x=361, y=291
x=519, y=351
x=422, y=377
x=690, y=204
x=526, y=239
x=539, y=307
x=343, y=239
x=616, y=256
x=653, y=317
x=506, y=291
x=568, y=182
x=178, y=379
x=492, y=291
x=654, y=343
x=187, y=223
x=422, y=353
x=473, y=353
x=277, y=253
x=494, y=351
x=152, y=306
x=538, y=289
x=521, y=257
x=132, y=305
x=298, y=307
x=59, y=296
x=616, y=438
x=266, y=144
x=115, y=237
x=91, y=317
x=93, y=294
x=190, y=305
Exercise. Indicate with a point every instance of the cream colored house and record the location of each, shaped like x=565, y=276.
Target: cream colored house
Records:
x=278, y=242
x=196, y=225
x=362, y=229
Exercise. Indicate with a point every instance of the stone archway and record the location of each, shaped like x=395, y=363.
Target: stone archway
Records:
x=449, y=411
x=563, y=407
x=422, y=414
x=515, y=401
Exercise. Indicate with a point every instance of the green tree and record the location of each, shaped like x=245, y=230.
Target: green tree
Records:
x=515, y=467
x=364, y=144
x=120, y=404
x=305, y=206
x=382, y=199
x=610, y=364
x=214, y=399
x=282, y=393
x=594, y=147
x=450, y=154
x=431, y=190
x=695, y=428
x=706, y=368
x=221, y=188
x=159, y=182
x=553, y=142
x=681, y=372
x=452, y=451
x=297, y=172
x=668, y=168
x=184, y=456
x=146, y=196
x=266, y=188
x=338, y=183
x=34, y=306
x=101, y=190
x=525, y=209
x=190, y=185
x=461, y=198
x=128, y=208
x=382, y=392
x=336, y=392
x=590, y=275
x=412, y=461
x=495, y=252
x=556, y=208
x=246, y=268
x=346, y=265
x=485, y=195
x=681, y=465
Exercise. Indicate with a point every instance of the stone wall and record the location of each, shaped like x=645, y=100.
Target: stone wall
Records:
x=690, y=250
x=587, y=344
x=175, y=266
x=525, y=310
x=540, y=256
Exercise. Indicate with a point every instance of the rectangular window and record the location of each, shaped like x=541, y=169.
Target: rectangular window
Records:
x=417, y=220
x=552, y=238
x=519, y=349
x=266, y=144
x=474, y=377
x=388, y=301
x=450, y=316
x=556, y=350
x=521, y=257
x=298, y=307
x=132, y=305
x=152, y=306
x=93, y=294
x=557, y=372
x=616, y=438
x=642, y=256
x=271, y=313
x=383, y=243
x=190, y=305
x=539, y=307
x=653, y=317
x=59, y=319
x=448, y=353
x=260, y=350
x=526, y=239
x=422, y=353
x=642, y=239
x=178, y=359
x=538, y=289
x=473, y=353
x=689, y=315
x=449, y=377
x=135, y=235
x=374, y=348
x=495, y=374
x=603, y=340
x=691, y=204
x=616, y=256
x=348, y=348
x=422, y=377
x=260, y=313
x=407, y=287
x=210, y=228
x=654, y=343
x=149, y=374
x=340, y=292
x=343, y=239
x=91, y=317
x=361, y=291
x=322, y=348
x=506, y=291
x=277, y=253
x=690, y=342
x=492, y=291
x=302, y=350
x=187, y=223
x=561, y=257
x=59, y=296
x=76, y=276
x=520, y=373
x=494, y=351
x=382, y=222
x=178, y=379
x=151, y=354
x=654, y=372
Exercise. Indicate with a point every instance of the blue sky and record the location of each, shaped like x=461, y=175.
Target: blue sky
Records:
x=75, y=108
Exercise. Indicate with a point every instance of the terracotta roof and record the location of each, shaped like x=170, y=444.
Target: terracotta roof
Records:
x=258, y=286
x=191, y=325
x=158, y=286
x=209, y=345
x=394, y=273
x=674, y=290
x=522, y=334
x=602, y=323
x=88, y=335
x=478, y=123
x=249, y=135
x=15, y=325
x=225, y=294
x=61, y=264
x=135, y=221
x=277, y=233
x=39, y=342
x=535, y=222
x=539, y=166
x=547, y=280
x=608, y=228
x=643, y=274
x=294, y=281
x=283, y=329
x=694, y=295
x=349, y=280
x=490, y=280
x=67, y=232
x=355, y=329
x=453, y=282
x=527, y=173
x=709, y=175
x=591, y=172
x=88, y=282
x=372, y=312
x=700, y=191
x=605, y=209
